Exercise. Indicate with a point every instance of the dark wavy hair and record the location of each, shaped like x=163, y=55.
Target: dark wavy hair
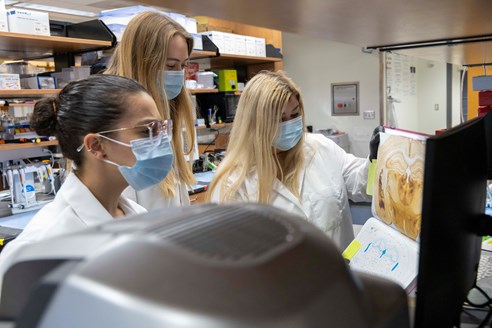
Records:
x=85, y=106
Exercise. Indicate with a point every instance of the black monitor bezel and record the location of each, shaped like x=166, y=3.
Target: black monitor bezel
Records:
x=453, y=198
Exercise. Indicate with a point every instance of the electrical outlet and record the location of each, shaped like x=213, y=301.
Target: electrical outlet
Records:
x=369, y=115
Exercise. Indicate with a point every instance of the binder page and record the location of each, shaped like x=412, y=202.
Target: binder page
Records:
x=399, y=180
x=384, y=252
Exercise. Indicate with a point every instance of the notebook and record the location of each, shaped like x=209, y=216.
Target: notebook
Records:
x=387, y=244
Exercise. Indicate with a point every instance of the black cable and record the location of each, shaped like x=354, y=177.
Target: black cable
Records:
x=213, y=141
x=487, y=304
x=216, y=136
x=488, y=299
x=486, y=319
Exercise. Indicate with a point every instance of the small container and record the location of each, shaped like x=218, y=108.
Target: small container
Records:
x=205, y=80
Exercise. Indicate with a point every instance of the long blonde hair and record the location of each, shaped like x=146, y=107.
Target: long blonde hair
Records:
x=251, y=144
x=141, y=55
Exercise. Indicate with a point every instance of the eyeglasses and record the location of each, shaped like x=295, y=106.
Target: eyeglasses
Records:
x=154, y=129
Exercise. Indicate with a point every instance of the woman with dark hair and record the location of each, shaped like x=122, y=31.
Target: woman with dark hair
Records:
x=111, y=129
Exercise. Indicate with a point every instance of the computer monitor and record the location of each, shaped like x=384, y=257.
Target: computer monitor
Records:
x=488, y=136
x=453, y=205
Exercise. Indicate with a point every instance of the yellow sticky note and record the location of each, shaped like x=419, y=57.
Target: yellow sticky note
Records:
x=371, y=177
x=351, y=249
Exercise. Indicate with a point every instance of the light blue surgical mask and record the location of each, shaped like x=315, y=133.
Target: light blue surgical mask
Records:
x=173, y=83
x=154, y=160
x=289, y=134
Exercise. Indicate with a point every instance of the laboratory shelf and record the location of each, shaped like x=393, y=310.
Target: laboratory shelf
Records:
x=22, y=46
x=15, y=146
x=196, y=91
x=198, y=54
x=28, y=92
x=227, y=60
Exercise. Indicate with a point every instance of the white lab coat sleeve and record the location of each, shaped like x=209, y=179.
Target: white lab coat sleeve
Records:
x=152, y=198
x=354, y=169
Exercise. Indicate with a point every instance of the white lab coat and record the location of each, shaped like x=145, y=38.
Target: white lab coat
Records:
x=152, y=198
x=330, y=178
x=74, y=208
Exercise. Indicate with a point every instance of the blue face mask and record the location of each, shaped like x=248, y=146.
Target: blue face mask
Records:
x=173, y=83
x=289, y=134
x=154, y=161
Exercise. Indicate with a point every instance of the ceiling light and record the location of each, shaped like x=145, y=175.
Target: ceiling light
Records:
x=54, y=9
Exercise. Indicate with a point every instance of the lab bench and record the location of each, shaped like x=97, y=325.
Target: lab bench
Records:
x=18, y=221
x=198, y=192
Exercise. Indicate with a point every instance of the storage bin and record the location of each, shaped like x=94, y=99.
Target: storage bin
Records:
x=205, y=80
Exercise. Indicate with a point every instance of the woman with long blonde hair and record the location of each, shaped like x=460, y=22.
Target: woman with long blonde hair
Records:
x=271, y=160
x=155, y=51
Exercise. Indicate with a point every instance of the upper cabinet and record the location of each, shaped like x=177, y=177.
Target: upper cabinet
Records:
x=69, y=41
x=218, y=60
x=15, y=46
x=247, y=66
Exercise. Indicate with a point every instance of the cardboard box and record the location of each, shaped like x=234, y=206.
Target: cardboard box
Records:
x=227, y=80
x=179, y=18
x=4, y=23
x=204, y=24
x=9, y=82
x=250, y=45
x=197, y=41
x=206, y=28
x=191, y=25
x=28, y=21
x=229, y=40
x=239, y=44
x=260, y=47
x=217, y=38
x=117, y=19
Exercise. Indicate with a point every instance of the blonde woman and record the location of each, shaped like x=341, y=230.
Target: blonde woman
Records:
x=155, y=50
x=271, y=160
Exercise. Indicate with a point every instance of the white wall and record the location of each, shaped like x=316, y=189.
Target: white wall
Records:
x=406, y=111
x=315, y=64
x=431, y=86
x=417, y=111
x=456, y=96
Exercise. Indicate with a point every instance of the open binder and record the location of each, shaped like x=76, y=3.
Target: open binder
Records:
x=387, y=244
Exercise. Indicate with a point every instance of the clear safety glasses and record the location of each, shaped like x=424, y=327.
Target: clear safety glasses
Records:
x=152, y=130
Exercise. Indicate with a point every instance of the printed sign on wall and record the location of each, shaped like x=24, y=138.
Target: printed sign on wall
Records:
x=345, y=98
